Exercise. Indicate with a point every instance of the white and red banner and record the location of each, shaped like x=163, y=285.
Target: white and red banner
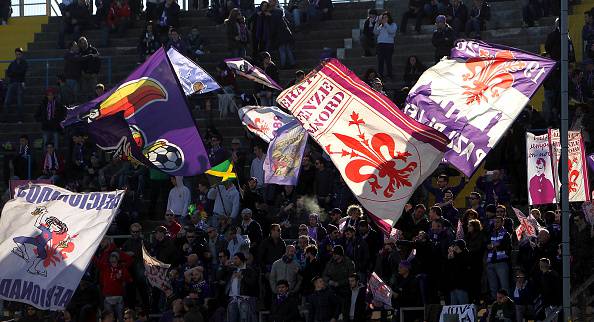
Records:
x=541, y=189
x=155, y=271
x=48, y=236
x=382, y=154
x=527, y=226
x=380, y=291
x=576, y=165
x=264, y=121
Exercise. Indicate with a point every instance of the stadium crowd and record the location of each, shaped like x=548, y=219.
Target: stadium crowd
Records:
x=304, y=252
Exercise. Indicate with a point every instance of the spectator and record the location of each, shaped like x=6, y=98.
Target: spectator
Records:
x=252, y=229
x=415, y=10
x=76, y=19
x=265, y=93
x=476, y=241
x=16, y=73
x=475, y=204
x=196, y=43
x=286, y=269
x=549, y=285
x=479, y=15
x=448, y=210
x=285, y=305
x=163, y=247
x=443, y=38
x=495, y=190
x=133, y=248
x=504, y=309
x=152, y=12
x=355, y=306
x=378, y=86
x=315, y=230
x=282, y=37
x=406, y=291
x=72, y=69
x=50, y=113
x=385, y=30
x=217, y=153
x=388, y=260
x=442, y=186
x=324, y=304
x=173, y=227
x=118, y=19
x=243, y=290
x=337, y=271
x=65, y=93
x=226, y=200
x=323, y=186
x=261, y=29
x=176, y=41
x=168, y=16
x=271, y=249
x=531, y=12
x=458, y=268
x=297, y=8
x=53, y=164
x=179, y=198
x=90, y=66
x=413, y=70
x=235, y=242
x=236, y=34
x=367, y=35
x=523, y=296
x=498, y=256
x=257, y=167
x=357, y=250
x=113, y=278
x=5, y=12
x=457, y=15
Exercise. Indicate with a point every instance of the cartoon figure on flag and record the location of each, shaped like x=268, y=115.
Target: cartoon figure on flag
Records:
x=541, y=188
x=49, y=247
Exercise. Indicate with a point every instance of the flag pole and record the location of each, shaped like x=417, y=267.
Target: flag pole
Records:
x=563, y=24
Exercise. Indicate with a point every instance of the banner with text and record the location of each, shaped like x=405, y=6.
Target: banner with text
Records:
x=382, y=154
x=576, y=165
x=541, y=190
x=48, y=236
x=474, y=96
x=155, y=271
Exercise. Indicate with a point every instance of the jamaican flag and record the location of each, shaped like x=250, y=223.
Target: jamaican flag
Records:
x=220, y=173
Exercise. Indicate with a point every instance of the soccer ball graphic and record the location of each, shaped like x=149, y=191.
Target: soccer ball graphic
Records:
x=164, y=155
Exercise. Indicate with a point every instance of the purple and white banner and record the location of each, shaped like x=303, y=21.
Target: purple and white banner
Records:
x=245, y=69
x=541, y=190
x=264, y=121
x=474, y=97
x=576, y=165
x=283, y=160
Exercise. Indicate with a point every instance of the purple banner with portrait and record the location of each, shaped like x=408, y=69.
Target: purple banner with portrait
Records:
x=155, y=110
x=283, y=160
x=474, y=96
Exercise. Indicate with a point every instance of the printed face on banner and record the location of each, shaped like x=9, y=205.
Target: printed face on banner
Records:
x=541, y=189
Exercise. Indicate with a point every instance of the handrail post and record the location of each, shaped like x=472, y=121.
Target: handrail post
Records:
x=48, y=7
x=21, y=8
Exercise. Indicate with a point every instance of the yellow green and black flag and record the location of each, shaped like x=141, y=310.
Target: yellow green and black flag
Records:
x=220, y=173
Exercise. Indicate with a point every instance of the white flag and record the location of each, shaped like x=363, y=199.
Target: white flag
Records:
x=541, y=190
x=48, y=236
x=155, y=271
x=577, y=170
x=264, y=121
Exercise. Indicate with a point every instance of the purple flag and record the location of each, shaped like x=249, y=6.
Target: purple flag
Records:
x=474, y=96
x=283, y=160
x=154, y=107
x=245, y=69
x=590, y=159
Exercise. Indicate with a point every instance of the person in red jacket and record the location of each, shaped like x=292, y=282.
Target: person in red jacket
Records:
x=113, y=276
x=118, y=19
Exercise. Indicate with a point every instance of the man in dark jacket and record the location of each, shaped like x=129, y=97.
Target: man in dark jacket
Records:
x=324, y=305
x=284, y=305
x=90, y=66
x=312, y=268
x=252, y=229
x=367, y=35
x=443, y=38
x=75, y=20
x=50, y=113
x=356, y=249
x=168, y=17
x=163, y=247
x=457, y=14
x=16, y=73
x=354, y=306
x=504, y=309
x=72, y=65
x=242, y=289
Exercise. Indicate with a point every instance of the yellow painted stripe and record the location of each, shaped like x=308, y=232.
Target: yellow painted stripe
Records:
x=19, y=32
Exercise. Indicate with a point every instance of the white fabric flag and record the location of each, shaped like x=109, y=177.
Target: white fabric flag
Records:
x=192, y=78
x=264, y=121
x=462, y=313
x=155, y=271
x=577, y=169
x=48, y=236
x=382, y=154
x=541, y=190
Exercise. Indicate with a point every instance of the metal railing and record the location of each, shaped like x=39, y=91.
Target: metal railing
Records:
x=46, y=62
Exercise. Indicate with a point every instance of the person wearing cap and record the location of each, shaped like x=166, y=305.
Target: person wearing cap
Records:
x=90, y=67
x=338, y=270
x=388, y=259
x=242, y=288
x=163, y=247
x=16, y=73
x=324, y=304
x=443, y=38
x=457, y=272
x=50, y=113
x=252, y=229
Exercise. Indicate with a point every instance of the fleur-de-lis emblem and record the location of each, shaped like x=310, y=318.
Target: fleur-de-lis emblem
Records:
x=573, y=175
x=366, y=154
x=259, y=125
x=490, y=73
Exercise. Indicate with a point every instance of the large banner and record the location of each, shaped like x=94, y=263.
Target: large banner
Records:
x=155, y=116
x=382, y=154
x=576, y=166
x=541, y=190
x=245, y=69
x=155, y=271
x=458, y=313
x=48, y=236
x=14, y=184
x=192, y=78
x=264, y=121
x=474, y=96
x=285, y=151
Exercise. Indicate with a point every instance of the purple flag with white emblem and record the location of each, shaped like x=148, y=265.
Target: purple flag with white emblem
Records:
x=283, y=160
x=154, y=108
x=474, y=96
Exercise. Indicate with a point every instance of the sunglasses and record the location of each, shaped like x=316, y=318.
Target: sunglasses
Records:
x=135, y=231
x=169, y=215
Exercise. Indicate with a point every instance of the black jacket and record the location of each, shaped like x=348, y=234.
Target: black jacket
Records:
x=249, y=282
x=17, y=71
x=284, y=310
x=269, y=251
x=254, y=232
x=171, y=12
x=90, y=60
x=311, y=270
x=443, y=41
x=50, y=121
x=324, y=305
x=360, y=306
x=72, y=65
